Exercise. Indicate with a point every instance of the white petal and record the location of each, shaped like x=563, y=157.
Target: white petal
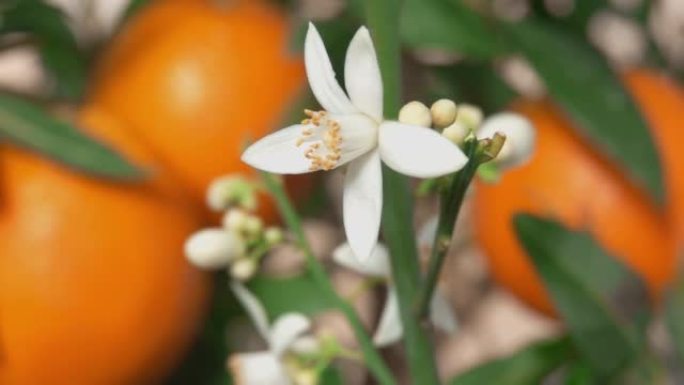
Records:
x=441, y=313
x=376, y=266
x=362, y=75
x=213, y=248
x=520, y=137
x=253, y=307
x=418, y=151
x=286, y=329
x=390, y=328
x=261, y=368
x=322, y=76
x=362, y=204
x=278, y=152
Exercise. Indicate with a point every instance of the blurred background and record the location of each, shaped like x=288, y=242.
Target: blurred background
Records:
x=116, y=115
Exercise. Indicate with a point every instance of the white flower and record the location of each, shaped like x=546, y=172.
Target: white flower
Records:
x=351, y=131
x=287, y=333
x=520, y=137
x=213, y=248
x=390, y=328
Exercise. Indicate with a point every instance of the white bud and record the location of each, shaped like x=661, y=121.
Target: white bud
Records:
x=273, y=235
x=415, y=113
x=235, y=220
x=231, y=190
x=305, y=376
x=307, y=344
x=253, y=225
x=213, y=248
x=456, y=133
x=469, y=115
x=243, y=269
x=520, y=137
x=443, y=113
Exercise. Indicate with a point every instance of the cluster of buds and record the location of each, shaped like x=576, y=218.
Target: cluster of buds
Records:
x=460, y=122
x=242, y=240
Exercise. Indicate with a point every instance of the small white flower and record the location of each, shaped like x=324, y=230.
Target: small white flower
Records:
x=288, y=331
x=213, y=248
x=390, y=328
x=351, y=131
x=520, y=137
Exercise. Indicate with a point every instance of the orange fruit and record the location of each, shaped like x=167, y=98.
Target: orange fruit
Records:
x=94, y=288
x=569, y=181
x=662, y=102
x=197, y=80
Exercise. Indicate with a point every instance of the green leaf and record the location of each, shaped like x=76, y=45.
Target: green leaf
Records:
x=331, y=376
x=282, y=295
x=525, y=367
x=447, y=25
x=674, y=316
x=579, y=373
x=604, y=304
x=27, y=125
x=57, y=45
x=581, y=81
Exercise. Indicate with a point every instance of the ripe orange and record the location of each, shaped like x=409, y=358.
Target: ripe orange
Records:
x=662, y=102
x=570, y=182
x=94, y=288
x=197, y=80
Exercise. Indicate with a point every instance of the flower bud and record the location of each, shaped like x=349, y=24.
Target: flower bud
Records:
x=443, y=113
x=520, y=137
x=469, y=115
x=243, y=269
x=273, y=235
x=456, y=132
x=415, y=113
x=235, y=220
x=253, y=225
x=305, y=377
x=231, y=190
x=213, y=248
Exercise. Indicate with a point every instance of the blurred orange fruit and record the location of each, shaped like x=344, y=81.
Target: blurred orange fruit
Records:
x=197, y=80
x=569, y=181
x=94, y=288
x=662, y=101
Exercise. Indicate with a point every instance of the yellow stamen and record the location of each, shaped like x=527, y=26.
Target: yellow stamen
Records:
x=324, y=131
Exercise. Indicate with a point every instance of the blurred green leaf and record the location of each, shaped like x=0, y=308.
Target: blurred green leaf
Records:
x=331, y=376
x=57, y=45
x=579, y=373
x=526, y=367
x=448, y=25
x=471, y=83
x=27, y=125
x=604, y=304
x=581, y=81
x=674, y=315
x=282, y=295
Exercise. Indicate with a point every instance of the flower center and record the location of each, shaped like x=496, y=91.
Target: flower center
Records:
x=322, y=135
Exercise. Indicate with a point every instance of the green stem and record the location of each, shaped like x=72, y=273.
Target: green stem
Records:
x=397, y=213
x=372, y=358
x=451, y=200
